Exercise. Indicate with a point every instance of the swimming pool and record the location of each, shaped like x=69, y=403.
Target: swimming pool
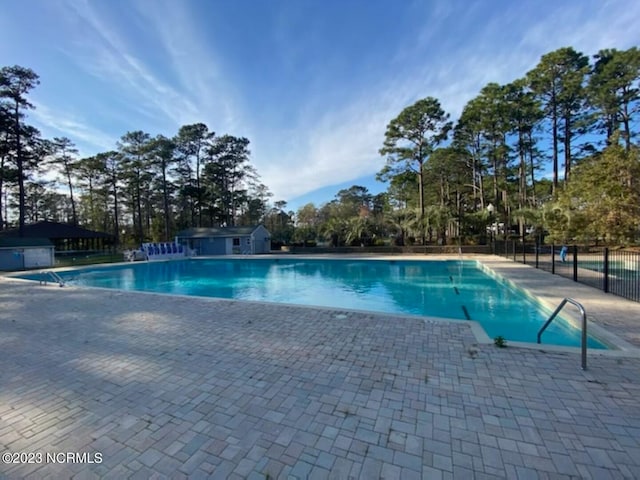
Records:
x=453, y=289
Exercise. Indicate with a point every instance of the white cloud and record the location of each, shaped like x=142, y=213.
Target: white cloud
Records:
x=110, y=57
x=588, y=27
x=324, y=139
x=61, y=123
x=343, y=144
x=194, y=61
x=330, y=147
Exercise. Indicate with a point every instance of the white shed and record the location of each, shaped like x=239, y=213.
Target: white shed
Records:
x=20, y=253
x=226, y=240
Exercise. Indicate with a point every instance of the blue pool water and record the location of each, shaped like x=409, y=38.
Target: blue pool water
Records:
x=452, y=289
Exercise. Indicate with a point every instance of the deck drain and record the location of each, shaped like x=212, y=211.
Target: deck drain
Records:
x=340, y=316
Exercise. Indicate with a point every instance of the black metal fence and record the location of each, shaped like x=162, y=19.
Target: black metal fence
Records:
x=613, y=271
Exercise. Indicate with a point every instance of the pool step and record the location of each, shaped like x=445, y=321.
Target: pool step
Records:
x=51, y=276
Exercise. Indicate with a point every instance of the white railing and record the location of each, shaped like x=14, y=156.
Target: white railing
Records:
x=51, y=276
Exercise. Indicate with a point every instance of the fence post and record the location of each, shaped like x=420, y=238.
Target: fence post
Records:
x=553, y=259
x=575, y=263
x=606, y=270
x=524, y=252
x=537, y=251
x=513, y=245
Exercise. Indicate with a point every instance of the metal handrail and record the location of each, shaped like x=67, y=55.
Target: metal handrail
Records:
x=56, y=278
x=584, y=326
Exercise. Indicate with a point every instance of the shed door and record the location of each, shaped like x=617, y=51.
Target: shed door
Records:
x=37, y=257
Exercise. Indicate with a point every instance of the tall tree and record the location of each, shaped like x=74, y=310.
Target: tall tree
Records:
x=614, y=89
x=192, y=142
x=495, y=128
x=90, y=171
x=280, y=223
x=449, y=177
x=15, y=83
x=307, y=216
x=162, y=156
x=256, y=206
x=35, y=203
x=483, y=132
x=111, y=163
x=7, y=174
x=354, y=200
x=227, y=174
x=558, y=82
x=411, y=137
x=469, y=136
x=524, y=113
x=62, y=156
x=134, y=148
x=307, y=222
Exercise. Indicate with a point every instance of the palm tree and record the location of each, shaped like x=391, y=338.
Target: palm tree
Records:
x=333, y=230
x=357, y=228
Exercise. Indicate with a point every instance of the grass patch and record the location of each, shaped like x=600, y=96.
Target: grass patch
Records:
x=80, y=259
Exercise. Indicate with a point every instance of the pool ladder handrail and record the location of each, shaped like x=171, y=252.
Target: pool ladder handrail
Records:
x=583, y=313
x=52, y=275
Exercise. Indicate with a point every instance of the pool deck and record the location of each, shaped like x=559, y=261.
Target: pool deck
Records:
x=178, y=387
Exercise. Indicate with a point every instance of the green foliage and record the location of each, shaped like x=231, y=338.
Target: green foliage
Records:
x=152, y=186
x=192, y=142
x=410, y=139
x=500, y=341
x=602, y=201
x=63, y=157
x=558, y=83
x=307, y=224
x=307, y=216
x=613, y=89
x=358, y=231
x=21, y=142
x=157, y=185
x=280, y=224
x=225, y=175
x=354, y=217
x=483, y=133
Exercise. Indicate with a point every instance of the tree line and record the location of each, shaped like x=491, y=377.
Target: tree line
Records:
x=147, y=187
x=550, y=154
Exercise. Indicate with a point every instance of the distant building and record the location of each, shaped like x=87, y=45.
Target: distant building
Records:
x=226, y=240
x=63, y=236
x=20, y=253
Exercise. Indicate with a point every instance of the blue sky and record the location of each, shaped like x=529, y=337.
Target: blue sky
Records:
x=312, y=84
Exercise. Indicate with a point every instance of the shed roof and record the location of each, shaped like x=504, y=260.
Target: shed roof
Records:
x=217, y=232
x=54, y=230
x=20, y=242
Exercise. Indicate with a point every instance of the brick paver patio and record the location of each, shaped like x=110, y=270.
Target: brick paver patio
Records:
x=171, y=387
